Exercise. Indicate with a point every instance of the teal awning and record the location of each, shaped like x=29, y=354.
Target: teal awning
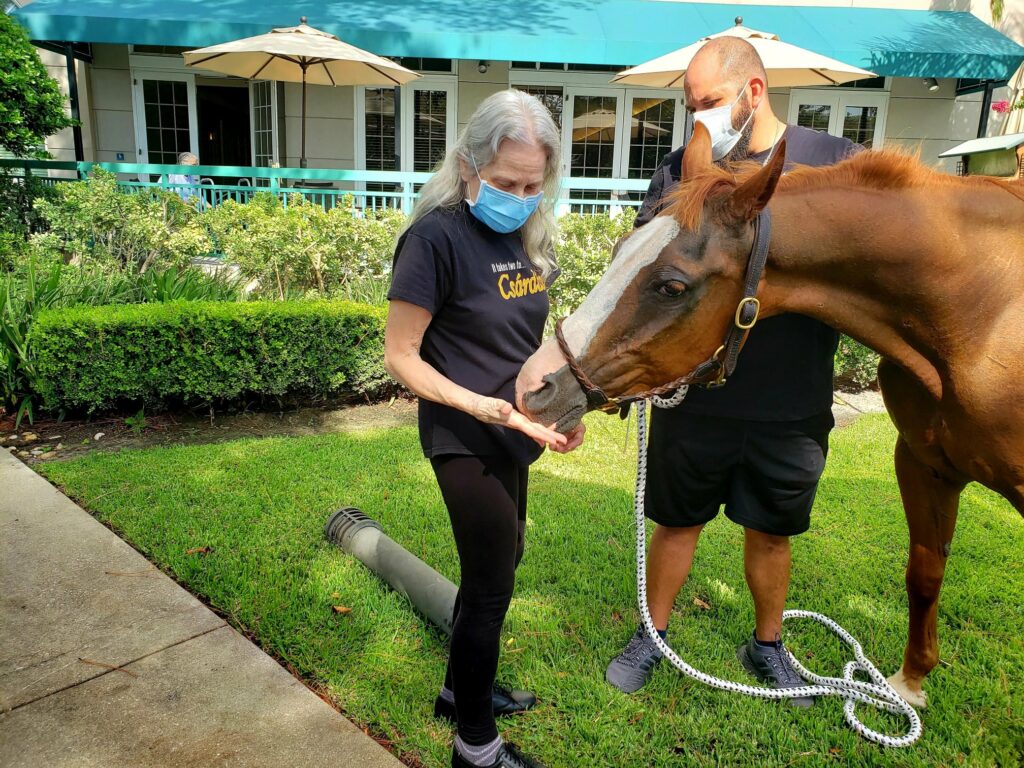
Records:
x=890, y=42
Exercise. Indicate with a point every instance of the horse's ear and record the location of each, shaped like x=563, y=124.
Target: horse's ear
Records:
x=697, y=155
x=751, y=197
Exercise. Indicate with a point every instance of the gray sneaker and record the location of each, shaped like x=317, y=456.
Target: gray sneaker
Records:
x=772, y=666
x=630, y=669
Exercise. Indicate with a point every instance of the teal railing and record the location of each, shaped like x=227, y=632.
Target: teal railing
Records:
x=328, y=187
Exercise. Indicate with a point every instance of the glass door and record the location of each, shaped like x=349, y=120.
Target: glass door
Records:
x=656, y=123
x=264, y=119
x=165, y=116
x=431, y=126
x=853, y=113
x=591, y=135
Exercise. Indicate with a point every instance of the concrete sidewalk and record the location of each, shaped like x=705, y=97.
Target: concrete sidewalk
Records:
x=105, y=661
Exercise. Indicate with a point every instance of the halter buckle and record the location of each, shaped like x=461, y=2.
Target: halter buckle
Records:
x=751, y=300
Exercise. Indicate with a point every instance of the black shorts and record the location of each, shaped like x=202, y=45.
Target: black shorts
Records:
x=765, y=473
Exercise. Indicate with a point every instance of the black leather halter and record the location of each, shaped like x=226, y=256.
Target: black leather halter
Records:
x=716, y=369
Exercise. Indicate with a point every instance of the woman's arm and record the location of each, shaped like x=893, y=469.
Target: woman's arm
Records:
x=402, y=339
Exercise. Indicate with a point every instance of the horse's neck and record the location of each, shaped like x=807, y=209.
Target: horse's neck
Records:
x=916, y=274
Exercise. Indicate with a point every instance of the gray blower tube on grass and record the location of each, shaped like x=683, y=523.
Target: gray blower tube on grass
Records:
x=362, y=537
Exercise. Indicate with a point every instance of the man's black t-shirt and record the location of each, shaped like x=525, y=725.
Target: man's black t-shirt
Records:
x=488, y=311
x=784, y=372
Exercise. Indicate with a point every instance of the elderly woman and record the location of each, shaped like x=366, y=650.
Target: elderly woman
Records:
x=468, y=303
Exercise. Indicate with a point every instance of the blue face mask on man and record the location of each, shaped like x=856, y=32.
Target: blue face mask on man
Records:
x=502, y=211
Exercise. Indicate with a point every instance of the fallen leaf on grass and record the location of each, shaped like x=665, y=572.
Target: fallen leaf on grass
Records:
x=342, y=609
x=198, y=551
x=335, y=595
x=616, y=616
x=704, y=606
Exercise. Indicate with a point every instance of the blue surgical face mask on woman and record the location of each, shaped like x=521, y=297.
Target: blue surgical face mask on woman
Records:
x=502, y=211
x=718, y=121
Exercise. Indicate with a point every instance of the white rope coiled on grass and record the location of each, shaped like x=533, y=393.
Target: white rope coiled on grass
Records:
x=878, y=693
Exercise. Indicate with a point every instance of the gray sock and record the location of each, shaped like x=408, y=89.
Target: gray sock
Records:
x=483, y=754
x=447, y=695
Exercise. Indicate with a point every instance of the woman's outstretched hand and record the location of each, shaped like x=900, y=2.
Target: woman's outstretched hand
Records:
x=494, y=410
x=574, y=439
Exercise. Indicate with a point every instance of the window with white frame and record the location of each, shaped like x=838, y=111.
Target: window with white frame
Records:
x=263, y=103
x=163, y=104
x=429, y=128
x=425, y=128
x=857, y=114
x=608, y=131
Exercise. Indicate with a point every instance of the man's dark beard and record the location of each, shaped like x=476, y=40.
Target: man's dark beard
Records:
x=742, y=149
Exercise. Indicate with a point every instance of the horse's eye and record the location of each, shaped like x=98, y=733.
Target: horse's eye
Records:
x=672, y=288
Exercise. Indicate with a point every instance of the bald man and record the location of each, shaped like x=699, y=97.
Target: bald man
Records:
x=756, y=446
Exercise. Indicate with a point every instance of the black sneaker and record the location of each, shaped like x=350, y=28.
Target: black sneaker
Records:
x=630, y=670
x=509, y=756
x=504, y=702
x=771, y=665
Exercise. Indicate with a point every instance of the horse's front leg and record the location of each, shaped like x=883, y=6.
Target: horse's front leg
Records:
x=930, y=503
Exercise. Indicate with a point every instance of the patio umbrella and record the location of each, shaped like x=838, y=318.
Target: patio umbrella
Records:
x=787, y=65
x=299, y=54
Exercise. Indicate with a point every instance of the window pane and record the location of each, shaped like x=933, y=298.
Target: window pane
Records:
x=650, y=137
x=166, y=114
x=814, y=116
x=870, y=82
x=593, y=136
x=379, y=126
x=550, y=96
x=263, y=132
x=425, y=65
x=430, y=128
x=859, y=125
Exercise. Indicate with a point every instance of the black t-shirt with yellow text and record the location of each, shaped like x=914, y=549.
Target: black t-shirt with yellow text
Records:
x=488, y=311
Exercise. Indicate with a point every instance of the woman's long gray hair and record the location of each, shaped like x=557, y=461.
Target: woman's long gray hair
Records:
x=517, y=116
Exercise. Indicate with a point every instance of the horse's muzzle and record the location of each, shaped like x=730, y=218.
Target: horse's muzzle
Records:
x=558, y=400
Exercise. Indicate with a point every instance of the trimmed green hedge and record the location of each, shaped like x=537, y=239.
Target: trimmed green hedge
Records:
x=200, y=353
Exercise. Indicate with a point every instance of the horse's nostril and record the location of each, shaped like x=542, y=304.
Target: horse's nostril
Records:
x=538, y=399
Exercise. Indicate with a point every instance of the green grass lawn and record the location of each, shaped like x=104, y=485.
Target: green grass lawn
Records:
x=260, y=506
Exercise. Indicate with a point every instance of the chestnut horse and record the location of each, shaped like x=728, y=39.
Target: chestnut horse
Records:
x=925, y=268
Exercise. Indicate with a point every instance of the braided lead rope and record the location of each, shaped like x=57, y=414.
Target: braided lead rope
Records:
x=878, y=693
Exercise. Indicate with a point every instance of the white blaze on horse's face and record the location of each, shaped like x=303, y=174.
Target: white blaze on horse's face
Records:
x=639, y=250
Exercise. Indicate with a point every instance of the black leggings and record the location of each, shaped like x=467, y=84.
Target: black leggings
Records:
x=486, y=500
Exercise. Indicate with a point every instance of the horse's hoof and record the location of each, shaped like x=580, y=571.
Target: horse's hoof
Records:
x=915, y=698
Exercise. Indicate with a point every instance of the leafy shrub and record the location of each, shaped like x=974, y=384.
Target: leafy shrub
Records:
x=24, y=294
x=18, y=217
x=31, y=104
x=298, y=247
x=856, y=365
x=205, y=353
x=584, y=250
x=21, y=300
x=94, y=223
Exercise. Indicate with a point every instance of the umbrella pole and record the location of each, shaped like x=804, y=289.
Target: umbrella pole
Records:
x=302, y=159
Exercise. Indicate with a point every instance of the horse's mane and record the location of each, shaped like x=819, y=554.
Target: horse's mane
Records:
x=879, y=169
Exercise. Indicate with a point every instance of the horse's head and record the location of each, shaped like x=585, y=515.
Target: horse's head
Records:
x=667, y=300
